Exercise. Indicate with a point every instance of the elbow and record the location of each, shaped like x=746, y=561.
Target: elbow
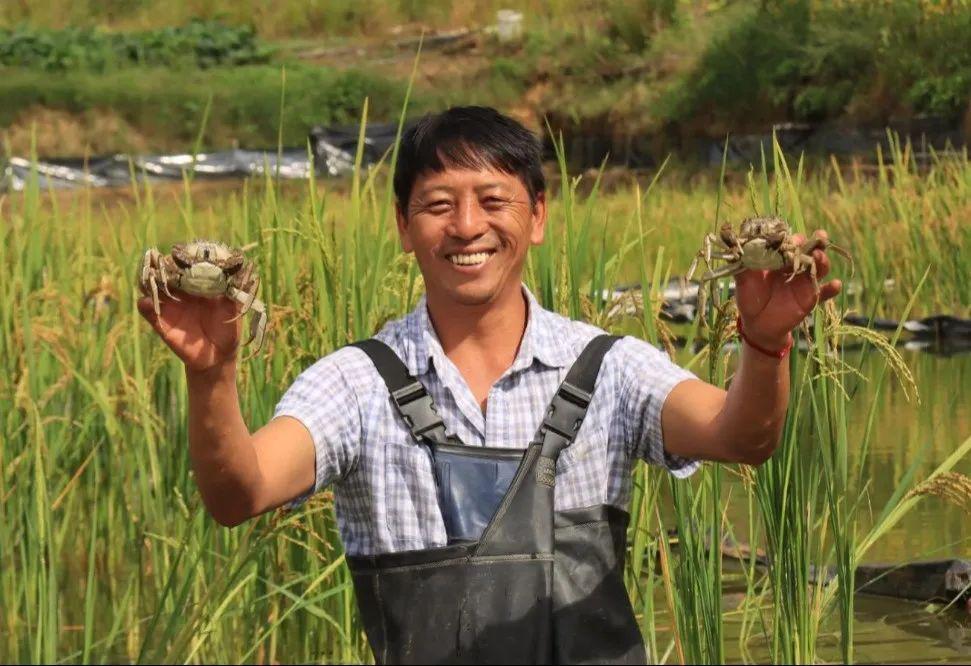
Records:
x=228, y=518
x=756, y=458
x=230, y=513
x=755, y=455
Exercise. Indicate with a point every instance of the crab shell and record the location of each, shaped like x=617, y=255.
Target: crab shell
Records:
x=764, y=241
x=205, y=268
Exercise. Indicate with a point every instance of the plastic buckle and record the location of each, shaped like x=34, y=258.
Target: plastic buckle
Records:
x=567, y=410
x=417, y=409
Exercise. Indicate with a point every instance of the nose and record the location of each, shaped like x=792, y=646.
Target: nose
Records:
x=470, y=220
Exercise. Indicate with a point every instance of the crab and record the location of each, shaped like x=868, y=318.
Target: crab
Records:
x=209, y=269
x=762, y=243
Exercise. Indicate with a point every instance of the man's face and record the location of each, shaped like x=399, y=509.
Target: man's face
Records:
x=470, y=231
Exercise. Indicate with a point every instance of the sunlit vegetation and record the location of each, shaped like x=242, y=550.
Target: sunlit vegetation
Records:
x=108, y=554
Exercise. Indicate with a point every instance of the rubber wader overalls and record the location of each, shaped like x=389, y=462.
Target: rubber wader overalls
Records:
x=516, y=582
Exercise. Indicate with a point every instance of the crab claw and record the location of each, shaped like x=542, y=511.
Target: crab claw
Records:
x=258, y=325
x=165, y=282
x=248, y=302
x=155, y=304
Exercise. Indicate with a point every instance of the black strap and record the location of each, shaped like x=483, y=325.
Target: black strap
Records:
x=569, y=405
x=563, y=417
x=407, y=393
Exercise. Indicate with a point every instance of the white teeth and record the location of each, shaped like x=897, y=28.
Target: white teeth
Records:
x=469, y=259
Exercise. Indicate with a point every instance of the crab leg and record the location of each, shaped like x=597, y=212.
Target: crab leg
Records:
x=691, y=271
x=252, y=295
x=712, y=239
x=144, y=279
x=813, y=243
x=802, y=263
x=733, y=268
x=817, y=243
x=258, y=324
x=154, y=285
x=165, y=282
x=706, y=254
x=247, y=303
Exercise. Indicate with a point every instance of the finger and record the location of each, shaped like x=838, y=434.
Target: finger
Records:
x=806, y=296
x=822, y=263
x=829, y=290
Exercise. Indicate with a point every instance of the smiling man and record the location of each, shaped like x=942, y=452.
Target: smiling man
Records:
x=480, y=447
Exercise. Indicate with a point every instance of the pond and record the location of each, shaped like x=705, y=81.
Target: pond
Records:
x=889, y=630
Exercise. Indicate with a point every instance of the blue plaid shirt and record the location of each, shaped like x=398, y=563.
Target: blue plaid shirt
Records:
x=384, y=489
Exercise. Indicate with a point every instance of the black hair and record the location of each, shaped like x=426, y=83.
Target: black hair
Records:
x=470, y=137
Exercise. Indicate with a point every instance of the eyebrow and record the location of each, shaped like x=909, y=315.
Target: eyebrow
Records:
x=450, y=190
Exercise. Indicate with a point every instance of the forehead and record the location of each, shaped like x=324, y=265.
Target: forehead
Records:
x=456, y=179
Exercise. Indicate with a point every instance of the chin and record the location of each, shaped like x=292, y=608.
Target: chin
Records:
x=472, y=294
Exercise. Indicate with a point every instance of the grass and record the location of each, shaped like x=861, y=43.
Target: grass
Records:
x=108, y=554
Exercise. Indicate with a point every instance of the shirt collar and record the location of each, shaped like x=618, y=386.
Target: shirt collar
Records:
x=543, y=340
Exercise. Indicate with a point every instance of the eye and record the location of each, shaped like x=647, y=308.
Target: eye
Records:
x=439, y=206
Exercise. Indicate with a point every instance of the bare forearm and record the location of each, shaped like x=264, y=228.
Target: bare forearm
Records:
x=220, y=445
x=754, y=411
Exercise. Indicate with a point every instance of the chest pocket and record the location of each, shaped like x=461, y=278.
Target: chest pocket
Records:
x=581, y=472
x=410, y=500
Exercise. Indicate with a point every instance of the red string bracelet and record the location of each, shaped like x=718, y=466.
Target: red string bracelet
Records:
x=779, y=354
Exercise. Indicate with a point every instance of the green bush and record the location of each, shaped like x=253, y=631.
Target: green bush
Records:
x=196, y=44
x=814, y=60
x=632, y=23
x=168, y=105
x=748, y=71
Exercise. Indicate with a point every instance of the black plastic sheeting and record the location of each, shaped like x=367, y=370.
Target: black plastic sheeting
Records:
x=333, y=148
x=940, y=334
x=328, y=142
x=118, y=170
x=927, y=135
x=331, y=153
x=587, y=145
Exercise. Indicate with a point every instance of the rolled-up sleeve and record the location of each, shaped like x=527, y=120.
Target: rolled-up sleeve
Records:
x=648, y=376
x=323, y=398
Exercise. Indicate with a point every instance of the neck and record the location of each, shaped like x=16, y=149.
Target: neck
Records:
x=491, y=332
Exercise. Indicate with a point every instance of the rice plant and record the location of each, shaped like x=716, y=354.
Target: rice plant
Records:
x=108, y=554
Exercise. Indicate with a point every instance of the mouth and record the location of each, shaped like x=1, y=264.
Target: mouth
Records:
x=470, y=259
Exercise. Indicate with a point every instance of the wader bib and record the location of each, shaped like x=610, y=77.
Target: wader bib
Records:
x=516, y=583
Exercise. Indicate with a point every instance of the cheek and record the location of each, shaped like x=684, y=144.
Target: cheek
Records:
x=425, y=237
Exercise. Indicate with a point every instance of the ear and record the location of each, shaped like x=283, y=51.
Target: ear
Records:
x=538, y=231
x=401, y=221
